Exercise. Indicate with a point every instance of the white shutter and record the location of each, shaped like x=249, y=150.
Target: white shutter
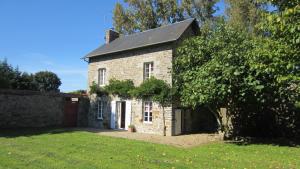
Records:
x=113, y=115
x=128, y=114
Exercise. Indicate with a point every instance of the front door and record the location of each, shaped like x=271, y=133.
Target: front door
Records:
x=121, y=111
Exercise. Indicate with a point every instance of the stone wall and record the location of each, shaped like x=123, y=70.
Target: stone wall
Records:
x=130, y=64
x=35, y=109
x=83, y=109
x=93, y=121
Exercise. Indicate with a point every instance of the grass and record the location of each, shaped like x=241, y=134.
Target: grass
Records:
x=79, y=149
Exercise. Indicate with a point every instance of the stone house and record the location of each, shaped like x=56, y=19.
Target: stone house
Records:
x=137, y=57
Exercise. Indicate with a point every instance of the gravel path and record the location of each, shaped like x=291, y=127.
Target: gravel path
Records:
x=184, y=141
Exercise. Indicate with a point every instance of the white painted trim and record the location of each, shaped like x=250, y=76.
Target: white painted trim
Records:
x=127, y=114
x=113, y=115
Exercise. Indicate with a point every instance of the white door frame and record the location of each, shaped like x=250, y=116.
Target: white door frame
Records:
x=113, y=115
x=116, y=114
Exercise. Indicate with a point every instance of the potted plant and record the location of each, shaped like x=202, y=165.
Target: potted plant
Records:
x=131, y=128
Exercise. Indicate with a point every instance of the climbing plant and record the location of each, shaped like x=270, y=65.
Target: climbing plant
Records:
x=96, y=89
x=120, y=88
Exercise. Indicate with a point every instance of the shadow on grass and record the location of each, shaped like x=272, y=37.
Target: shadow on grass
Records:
x=244, y=141
x=27, y=132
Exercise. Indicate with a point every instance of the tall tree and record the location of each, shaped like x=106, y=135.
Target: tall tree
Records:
x=141, y=15
x=47, y=81
x=203, y=10
x=244, y=14
x=7, y=74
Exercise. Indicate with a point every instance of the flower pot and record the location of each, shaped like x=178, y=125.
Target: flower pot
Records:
x=131, y=130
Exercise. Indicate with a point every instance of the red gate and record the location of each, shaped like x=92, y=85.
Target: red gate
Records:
x=71, y=110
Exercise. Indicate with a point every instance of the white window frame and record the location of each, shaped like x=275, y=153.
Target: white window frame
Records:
x=101, y=76
x=147, y=110
x=100, y=109
x=150, y=67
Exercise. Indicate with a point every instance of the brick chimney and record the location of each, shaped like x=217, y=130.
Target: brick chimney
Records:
x=111, y=35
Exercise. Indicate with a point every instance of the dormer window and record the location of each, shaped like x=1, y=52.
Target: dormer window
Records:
x=101, y=76
x=148, y=70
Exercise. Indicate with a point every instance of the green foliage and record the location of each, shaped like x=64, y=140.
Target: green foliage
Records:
x=131, y=126
x=25, y=81
x=47, y=81
x=12, y=78
x=78, y=92
x=96, y=89
x=284, y=25
x=247, y=74
x=154, y=89
x=120, y=88
x=143, y=15
x=244, y=14
x=7, y=75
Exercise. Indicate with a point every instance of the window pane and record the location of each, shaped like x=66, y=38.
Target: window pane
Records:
x=146, y=118
x=148, y=68
x=99, y=112
x=104, y=72
x=101, y=76
x=150, y=118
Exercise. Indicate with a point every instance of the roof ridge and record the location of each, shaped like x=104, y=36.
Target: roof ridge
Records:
x=163, y=26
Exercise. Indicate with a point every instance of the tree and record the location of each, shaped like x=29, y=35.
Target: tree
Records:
x=80, y=91
x=283, y=24
x=244, y=14
x=254, y=77
x=7, y=74
x=202, y=10
x=144, y=15
x=157, y=90
x=25, y=81
x=47, y=81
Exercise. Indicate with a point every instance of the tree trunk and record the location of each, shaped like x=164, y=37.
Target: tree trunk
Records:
x=164, y=121
x=218, y=117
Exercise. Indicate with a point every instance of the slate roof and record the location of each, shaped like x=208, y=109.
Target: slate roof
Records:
x=163, y=34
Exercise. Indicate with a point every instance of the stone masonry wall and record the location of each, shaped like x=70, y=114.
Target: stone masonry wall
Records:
x=130, y=65
x=35, y=109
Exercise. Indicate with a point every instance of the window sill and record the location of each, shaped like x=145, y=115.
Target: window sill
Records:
x=147, y=122
x=100, y=119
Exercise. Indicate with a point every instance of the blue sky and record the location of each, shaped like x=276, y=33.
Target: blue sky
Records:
x=53, y=35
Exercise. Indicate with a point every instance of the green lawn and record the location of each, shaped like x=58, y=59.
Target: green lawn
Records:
x=79, y=149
